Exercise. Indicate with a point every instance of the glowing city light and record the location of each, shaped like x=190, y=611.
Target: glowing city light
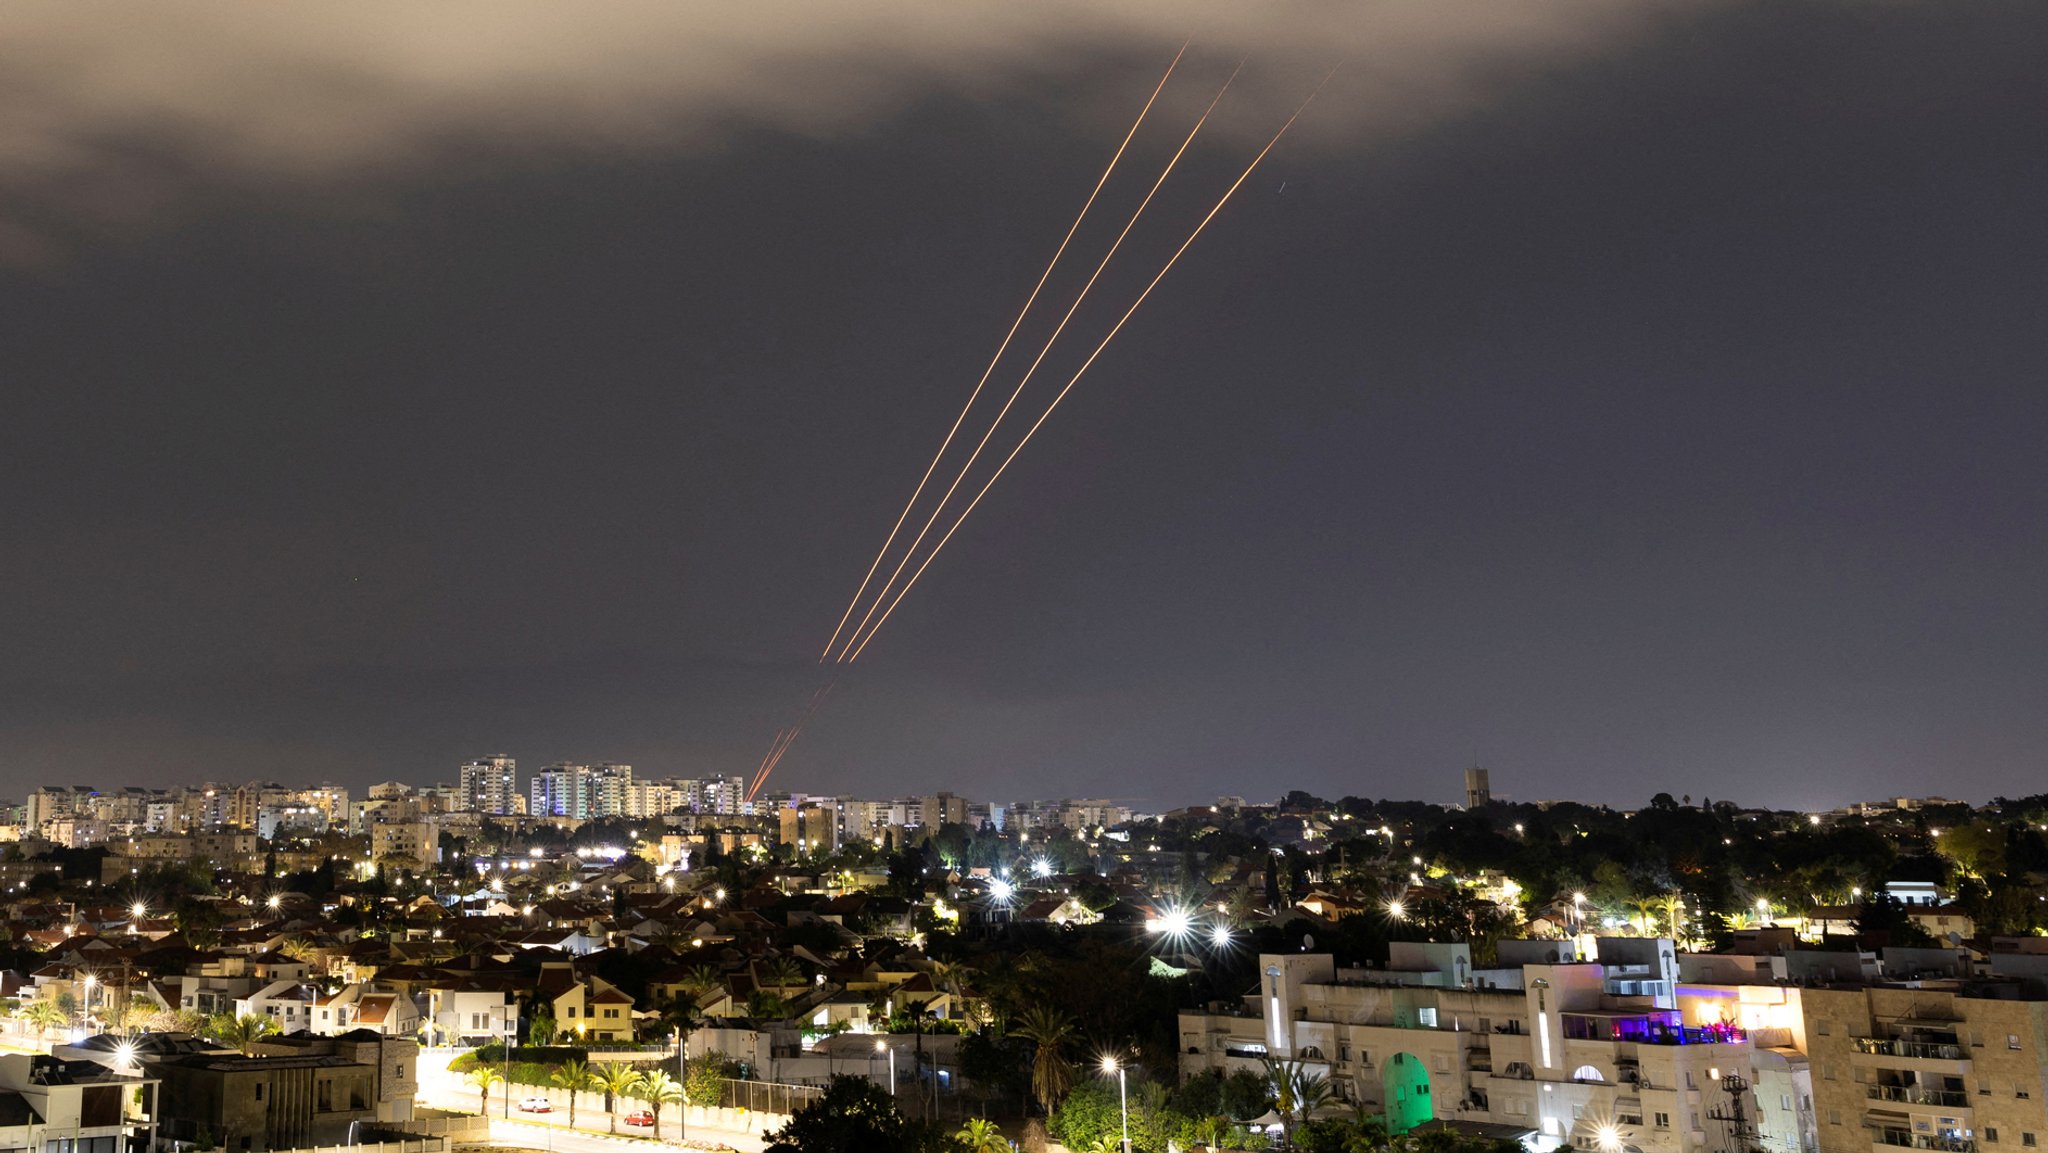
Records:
x=1001, y=890
x=1041, y=868
x=1397, y=910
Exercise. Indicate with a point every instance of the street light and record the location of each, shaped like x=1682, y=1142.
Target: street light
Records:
x=511, y=1035
x=883, y=1047
x=683, y=1082
x=1110, y=1065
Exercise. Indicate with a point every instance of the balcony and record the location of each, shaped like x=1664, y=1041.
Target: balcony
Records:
x=1885, y=1140
x=1918, y=1050
x=1919, y=1095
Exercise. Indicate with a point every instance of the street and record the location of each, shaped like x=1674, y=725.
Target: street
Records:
x=557, y=1137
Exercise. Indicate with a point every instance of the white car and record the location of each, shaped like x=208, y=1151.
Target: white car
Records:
x=535, y=1105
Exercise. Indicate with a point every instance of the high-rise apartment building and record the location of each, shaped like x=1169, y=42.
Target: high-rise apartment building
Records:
x=605, y=790
x=557, y=791
x=489, y=784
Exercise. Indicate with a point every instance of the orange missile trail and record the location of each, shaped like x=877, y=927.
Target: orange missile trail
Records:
x=755, y=780
x=940, y=508
x=1000, y=349
x=1168, y=267
x=784, y=738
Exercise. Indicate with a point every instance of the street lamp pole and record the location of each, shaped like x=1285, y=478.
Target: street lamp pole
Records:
x=682, y=1084
x=883, y=1047
x=1123, y=1097
x=511, y=1035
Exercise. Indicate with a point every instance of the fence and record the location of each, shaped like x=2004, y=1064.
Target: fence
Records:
x=768, y=1096
x=423, y=1145
x=461, y=1127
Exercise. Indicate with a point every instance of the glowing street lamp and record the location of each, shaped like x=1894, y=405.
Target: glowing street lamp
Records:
x=1398, y=910
x=883, y=1047
x=1608, y=1137
x=1220, y=936
x=138, y=910
x=1110, y=1065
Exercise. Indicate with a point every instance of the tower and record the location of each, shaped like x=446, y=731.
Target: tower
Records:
x=1478, y=789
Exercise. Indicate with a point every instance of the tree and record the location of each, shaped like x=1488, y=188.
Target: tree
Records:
x=657, y=1089
x=541, y=1029
x=1245, y=1095
x=1297, y=1093
x=704, y=1078
x=576, y=1077
x=853, y=1115
x=240, y=1032
x=41, y=1013
x=484, y=1077
x=981, y=1136
x=1050, y=1030
x=783, y=973
x=616, y=1079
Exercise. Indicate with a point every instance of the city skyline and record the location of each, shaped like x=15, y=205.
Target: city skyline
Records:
x=1592, y=397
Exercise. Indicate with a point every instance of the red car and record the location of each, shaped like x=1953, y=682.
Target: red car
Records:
x=643, y=1117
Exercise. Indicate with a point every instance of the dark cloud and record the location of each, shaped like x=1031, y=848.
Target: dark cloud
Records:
x=1630, y=403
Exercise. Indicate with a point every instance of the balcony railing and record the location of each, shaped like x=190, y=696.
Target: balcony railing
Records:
x=1901, y=1139
x=1926, y=1050
x=1916, y=1095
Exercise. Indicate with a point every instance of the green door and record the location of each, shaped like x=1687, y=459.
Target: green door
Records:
x=1407, y=1093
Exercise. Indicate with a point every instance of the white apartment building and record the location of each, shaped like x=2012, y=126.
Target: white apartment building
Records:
x=490, y=784
x=1612, y=1055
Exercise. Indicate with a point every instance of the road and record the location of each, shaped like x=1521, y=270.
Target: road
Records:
x=557, y=1137
x=442, y=1090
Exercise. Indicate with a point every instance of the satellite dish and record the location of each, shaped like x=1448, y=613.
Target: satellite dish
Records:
x=1308, y=941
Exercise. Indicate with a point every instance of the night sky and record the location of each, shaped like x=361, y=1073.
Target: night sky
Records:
x=1627, y=397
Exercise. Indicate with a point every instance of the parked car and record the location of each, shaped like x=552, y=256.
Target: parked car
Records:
x=640, y=1117
x=535, y=1105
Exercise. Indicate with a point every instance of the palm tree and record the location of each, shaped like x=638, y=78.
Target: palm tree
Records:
x=484, y=1077
x=1673, y=905
x=783, y=973
x=1050, y=1030
x=616, y=1079
x=576, y=1077
x=981, y=1136
x=1645, y=910
x=41, y=1013
x=656, y=1088
x=701, y=979
x=1297, y=1093
x=240, y=1032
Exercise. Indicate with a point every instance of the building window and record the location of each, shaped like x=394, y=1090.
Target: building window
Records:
x=2027, y=1139
x=1991, y=1134
x=1661, y=1120
x=1822, y=1028
x=1834, y=1116
x=2012, y=1040
x=572, y=1010
x=259, y=1090
x=1426, y=1017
